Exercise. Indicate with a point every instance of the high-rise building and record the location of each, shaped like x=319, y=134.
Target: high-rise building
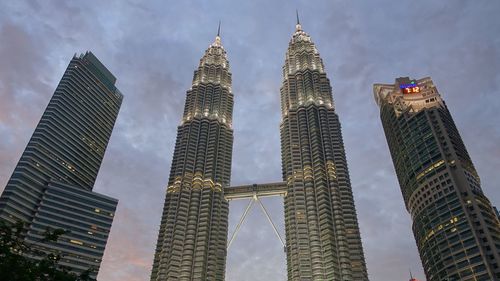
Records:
x=193, y=232
x=322, y=235
x=455, y=227
x=51, y=186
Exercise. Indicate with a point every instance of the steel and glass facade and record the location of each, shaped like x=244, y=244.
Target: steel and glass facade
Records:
x=322, y=235
x=66, y=149
x=193, y=232
x=455, y=227
x=86, y=215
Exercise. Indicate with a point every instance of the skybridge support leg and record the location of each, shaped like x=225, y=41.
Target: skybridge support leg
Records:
x=270, y=221
x=250, y=203
x=245, y=213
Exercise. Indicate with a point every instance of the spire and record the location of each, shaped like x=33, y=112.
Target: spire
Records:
x=298, y=27
x=217, y=38
x=411, y=276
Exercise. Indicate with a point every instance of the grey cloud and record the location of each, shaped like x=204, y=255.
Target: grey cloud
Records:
x=153, y=50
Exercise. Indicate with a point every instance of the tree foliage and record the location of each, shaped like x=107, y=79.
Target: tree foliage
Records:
x=16, y=266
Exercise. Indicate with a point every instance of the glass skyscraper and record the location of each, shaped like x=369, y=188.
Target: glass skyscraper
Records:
x=323, y=241
x=51, y=186
x=455, y=227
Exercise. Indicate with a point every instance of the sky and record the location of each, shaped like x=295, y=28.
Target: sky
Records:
x=153, y=47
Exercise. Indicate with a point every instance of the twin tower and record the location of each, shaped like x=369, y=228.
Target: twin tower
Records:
x=322, y=234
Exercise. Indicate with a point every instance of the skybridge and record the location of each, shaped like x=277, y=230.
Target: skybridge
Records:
x=253, y=193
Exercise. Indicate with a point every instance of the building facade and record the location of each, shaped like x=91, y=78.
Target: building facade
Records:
x=455, y=227
x=193, y=232
x=322, y=235
x=88, y=217
x=61, y=162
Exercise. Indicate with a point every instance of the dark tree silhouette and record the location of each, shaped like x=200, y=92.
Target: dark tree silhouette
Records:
x=16, y=266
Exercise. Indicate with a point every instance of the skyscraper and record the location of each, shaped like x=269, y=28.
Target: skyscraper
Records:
x=51, y=185
x=322, y=234
x=455, y=227
x=193, y=232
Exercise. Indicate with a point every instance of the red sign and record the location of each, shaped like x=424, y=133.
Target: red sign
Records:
x=411, y=90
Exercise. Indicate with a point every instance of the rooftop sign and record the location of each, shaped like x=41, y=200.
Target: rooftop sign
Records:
x=411, y=88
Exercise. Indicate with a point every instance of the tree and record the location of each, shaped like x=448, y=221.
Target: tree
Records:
x=16, y=266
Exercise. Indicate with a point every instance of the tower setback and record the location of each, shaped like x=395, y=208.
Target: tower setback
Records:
x=455, y=227
x=193, y=232
x=322, y=234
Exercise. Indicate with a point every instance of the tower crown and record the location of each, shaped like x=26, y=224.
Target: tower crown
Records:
x=210, y=96
x=214, y=66
x=408, y=95
x=304, y=77
x=215, y=55
x=301, y=54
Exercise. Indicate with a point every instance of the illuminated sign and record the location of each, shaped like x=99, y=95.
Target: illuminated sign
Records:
x=411, y=88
